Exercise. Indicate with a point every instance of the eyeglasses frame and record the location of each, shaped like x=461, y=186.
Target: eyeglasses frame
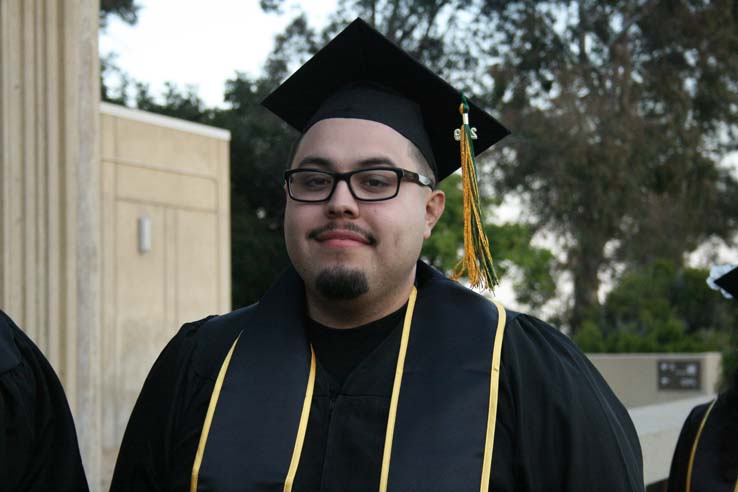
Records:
x=402, y=175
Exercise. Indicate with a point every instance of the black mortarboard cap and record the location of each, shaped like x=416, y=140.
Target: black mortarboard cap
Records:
x=729, y=282
x=361, y=74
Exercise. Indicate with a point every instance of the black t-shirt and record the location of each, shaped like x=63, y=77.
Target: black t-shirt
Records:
x=340, y=350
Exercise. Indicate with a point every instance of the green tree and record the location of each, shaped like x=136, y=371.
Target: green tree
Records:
x=126, y=10
x=178, y=103
x=619, y=112
x=260, y=148
x=511, y=247
x=664, y=308
x=590, y=338
x=665, y=293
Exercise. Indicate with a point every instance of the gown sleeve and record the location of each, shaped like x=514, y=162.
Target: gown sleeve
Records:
x=570, y=431
x=163, y=431
x=38, y=441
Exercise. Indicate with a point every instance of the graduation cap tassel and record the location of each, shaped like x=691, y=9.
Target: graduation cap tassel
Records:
x=477, y=260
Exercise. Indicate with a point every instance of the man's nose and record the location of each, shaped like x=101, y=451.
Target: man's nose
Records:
x=342, y=203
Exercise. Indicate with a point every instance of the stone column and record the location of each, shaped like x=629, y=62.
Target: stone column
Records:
x=50, y=194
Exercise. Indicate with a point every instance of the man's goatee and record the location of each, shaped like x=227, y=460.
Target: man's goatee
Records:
x=342, y=284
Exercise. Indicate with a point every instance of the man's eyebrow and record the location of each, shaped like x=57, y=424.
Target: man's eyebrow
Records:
x=323, y=162
x=315, y=161
x=375, y=161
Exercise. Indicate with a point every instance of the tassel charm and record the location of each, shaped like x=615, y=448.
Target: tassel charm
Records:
x=477, y=261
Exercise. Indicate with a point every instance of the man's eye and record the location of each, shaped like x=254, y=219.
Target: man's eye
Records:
x=316, y=181
x=376, y=181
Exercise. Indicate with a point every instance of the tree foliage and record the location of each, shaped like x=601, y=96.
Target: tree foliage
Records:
x=511, y=245
x=619, y=111
x=126, y=10
x=260, y=148
x=664, y=308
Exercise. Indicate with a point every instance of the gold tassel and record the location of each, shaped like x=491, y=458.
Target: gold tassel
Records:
x=477, y=260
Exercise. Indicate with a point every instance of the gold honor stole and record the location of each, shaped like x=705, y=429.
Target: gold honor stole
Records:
x=443, y=409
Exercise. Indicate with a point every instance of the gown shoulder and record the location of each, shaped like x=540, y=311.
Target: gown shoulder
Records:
x=38, y=442
x=572, y=431
x=163, y=430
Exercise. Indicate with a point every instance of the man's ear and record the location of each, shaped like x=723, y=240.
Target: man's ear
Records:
x=433, y=210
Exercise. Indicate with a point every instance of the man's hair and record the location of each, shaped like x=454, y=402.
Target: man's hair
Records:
x=293, y=150
x=423, y=167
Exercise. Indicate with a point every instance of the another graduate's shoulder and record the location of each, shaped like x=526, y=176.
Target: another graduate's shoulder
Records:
x=38, y=443
x=10, y=356
x=20, y=358
x=695, y=417
x=683, y=448
x=692, y=423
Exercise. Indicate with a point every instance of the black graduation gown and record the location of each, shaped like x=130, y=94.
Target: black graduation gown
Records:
x=706, y=473
x=38, y=443
x=559, y=426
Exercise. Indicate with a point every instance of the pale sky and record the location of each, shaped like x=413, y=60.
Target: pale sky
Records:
x=199, y=43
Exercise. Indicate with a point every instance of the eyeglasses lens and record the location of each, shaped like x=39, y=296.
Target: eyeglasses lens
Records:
x=371, y=184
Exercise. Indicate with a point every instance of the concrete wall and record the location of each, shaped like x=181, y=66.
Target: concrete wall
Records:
x=175, y=174
x=634, y=377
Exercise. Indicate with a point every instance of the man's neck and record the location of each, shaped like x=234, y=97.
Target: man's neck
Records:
x=360, y=311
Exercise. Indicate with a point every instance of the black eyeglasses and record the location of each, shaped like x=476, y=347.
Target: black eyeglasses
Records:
x=372, y=184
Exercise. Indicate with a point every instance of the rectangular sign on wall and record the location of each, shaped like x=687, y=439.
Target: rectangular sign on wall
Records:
x=680, y=374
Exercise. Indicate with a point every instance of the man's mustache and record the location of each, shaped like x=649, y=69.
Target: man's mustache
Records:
x=370, y=238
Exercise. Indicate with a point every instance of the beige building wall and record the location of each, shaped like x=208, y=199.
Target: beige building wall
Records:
x=634, y=377
x=75, y=178
x=50, y=194
x=175, y=176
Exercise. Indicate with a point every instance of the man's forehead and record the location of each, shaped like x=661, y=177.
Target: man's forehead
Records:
x=358, y=129
x=353, y=139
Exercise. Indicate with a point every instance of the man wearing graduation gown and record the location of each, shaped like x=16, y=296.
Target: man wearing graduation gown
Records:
x=706, y=455
x=362, y=368
x=38, y=443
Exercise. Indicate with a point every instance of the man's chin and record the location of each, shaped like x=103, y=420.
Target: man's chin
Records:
x=341, y=283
